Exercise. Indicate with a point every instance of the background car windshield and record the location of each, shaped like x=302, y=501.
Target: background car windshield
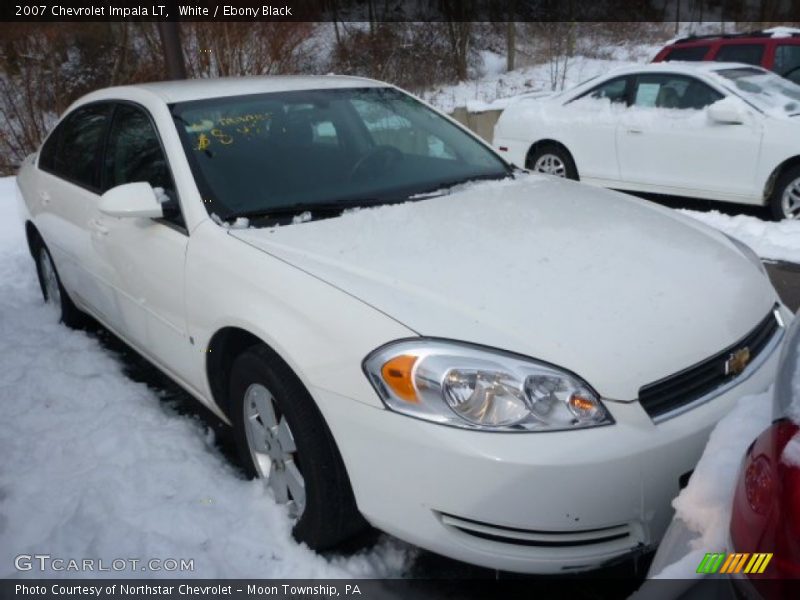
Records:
x=765, y=89
x=260, y=153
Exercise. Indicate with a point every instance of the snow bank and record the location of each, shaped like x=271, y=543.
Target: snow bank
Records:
x=705, y=504
x=94, y=466
x=770, y=240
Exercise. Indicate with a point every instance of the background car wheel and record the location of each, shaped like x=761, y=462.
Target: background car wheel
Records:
x=552, y=160
x=784, y=203
x=53, y=292
x=283, y=439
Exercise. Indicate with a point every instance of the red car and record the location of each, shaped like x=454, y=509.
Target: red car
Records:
x=776, y=49
x=765, y=515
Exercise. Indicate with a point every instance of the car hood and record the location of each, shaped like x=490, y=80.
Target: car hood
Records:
x=618, y=290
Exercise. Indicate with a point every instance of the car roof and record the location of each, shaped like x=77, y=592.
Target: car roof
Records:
x=197, y=89
x=675, y=66
x=747, y=37
x=695, y=68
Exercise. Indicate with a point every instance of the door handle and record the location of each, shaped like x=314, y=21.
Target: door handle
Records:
x=98, y=227
x=635, y=131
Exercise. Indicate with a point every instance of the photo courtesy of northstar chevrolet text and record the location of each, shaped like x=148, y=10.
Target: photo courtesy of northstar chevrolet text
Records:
x=400, y=299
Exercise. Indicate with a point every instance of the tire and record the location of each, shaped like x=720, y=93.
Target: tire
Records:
x=299, y=442
x=784, y=202
x=53, y=291
x=552, y=160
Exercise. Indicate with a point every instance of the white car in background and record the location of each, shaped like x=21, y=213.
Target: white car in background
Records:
x=719, y=131
x=518, y=373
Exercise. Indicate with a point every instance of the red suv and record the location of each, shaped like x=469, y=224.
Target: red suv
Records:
x=777, y=49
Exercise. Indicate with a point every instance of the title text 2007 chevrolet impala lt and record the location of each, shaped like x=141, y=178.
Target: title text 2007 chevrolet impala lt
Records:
x=508, y=369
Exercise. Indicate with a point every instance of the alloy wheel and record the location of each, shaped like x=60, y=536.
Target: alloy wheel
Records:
x=551, y=165
x=790, y=200
x=273, y=449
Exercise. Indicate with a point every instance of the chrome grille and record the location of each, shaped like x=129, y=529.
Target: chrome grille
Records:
x=545, y=539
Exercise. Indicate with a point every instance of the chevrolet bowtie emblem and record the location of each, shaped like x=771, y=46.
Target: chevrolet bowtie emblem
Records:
x=737, y=361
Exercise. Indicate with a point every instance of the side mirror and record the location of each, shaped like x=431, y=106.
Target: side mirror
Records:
x=728, y=111
x=131, y=200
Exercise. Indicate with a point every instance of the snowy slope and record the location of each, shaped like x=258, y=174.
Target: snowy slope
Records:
x=93, y=466
x=497, y=87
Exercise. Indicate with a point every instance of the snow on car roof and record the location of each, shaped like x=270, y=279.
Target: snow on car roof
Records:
x=675, y=66
x=685, y=68
x=197, y=89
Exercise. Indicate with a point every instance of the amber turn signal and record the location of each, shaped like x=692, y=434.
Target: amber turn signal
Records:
x=397, y=374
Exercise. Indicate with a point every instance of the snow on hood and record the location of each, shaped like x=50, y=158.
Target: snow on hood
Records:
x=615, y=289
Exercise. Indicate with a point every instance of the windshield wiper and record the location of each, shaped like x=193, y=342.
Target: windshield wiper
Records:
x=293, y=210
x=440, y=188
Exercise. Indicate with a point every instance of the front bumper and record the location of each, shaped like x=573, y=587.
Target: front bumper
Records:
x=526, y=502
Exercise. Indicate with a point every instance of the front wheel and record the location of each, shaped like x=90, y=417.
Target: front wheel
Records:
x=784, y=203
x=552, y=160
x=283, y=440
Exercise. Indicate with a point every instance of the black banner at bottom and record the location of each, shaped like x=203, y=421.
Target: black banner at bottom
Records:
x=391, y=589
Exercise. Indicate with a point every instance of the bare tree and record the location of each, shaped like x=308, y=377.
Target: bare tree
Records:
x=556, y=44
x=44, y=68
x=228, y=49
x=459, y=34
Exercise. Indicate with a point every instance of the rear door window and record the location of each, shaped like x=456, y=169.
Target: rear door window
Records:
x=688, y=53
x=665, y=90
x=750, y=54
x=72, y=152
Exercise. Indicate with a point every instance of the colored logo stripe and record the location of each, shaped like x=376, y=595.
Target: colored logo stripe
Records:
x=717, y=562
x=710, y=563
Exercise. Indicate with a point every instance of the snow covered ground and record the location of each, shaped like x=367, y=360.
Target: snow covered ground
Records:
x=94, y=466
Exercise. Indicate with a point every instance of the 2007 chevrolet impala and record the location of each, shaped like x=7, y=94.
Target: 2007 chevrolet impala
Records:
x=518, y=372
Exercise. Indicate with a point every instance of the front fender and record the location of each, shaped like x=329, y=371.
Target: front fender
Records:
x=320, y=331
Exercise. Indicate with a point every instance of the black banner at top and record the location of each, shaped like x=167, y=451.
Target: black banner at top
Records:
x=400, y=10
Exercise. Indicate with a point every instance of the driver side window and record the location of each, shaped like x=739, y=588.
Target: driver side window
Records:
x=134, y=153
x=615, y=91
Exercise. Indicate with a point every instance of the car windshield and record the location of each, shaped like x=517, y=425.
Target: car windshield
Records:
x=278, y=154
x=764, y=89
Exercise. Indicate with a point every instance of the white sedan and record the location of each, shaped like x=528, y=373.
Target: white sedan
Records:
x=518, y=372
x=718, y=131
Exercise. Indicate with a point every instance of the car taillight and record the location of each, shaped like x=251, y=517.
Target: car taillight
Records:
x=766, y=505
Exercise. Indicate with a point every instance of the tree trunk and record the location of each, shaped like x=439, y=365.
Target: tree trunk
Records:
x=173, y=54
x=511, y=45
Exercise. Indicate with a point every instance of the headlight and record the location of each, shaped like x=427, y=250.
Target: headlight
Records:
x=748, y=253
x=467, y=386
